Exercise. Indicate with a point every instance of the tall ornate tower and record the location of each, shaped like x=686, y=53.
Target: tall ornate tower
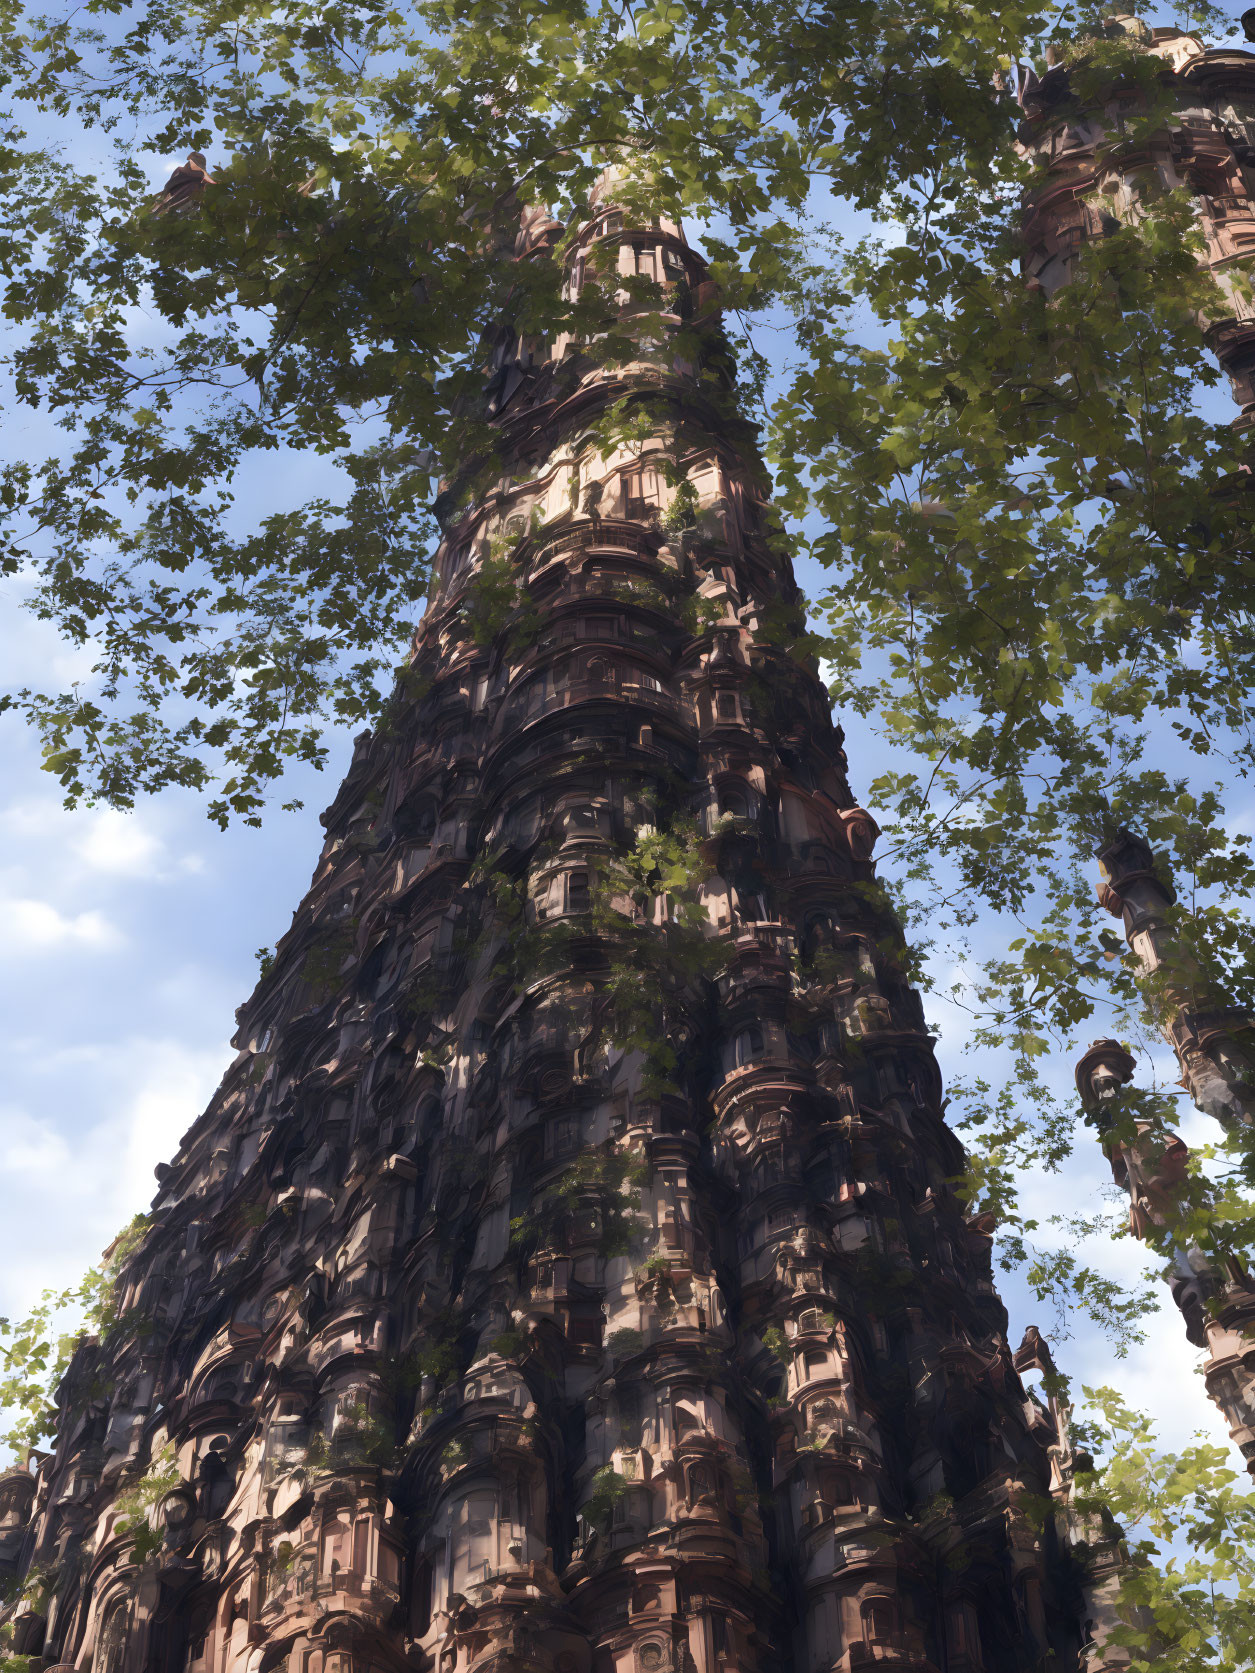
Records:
x=567, y=1276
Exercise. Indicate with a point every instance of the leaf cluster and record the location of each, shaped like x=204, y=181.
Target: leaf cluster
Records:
x=1180, y=1612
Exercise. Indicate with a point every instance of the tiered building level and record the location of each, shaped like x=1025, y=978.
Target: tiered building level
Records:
x=568, y=1275
x=1102, y=165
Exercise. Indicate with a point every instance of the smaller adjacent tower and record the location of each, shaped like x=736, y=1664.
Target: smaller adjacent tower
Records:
x=1214, y=1045
x=1099, y=170
x=1102, y=163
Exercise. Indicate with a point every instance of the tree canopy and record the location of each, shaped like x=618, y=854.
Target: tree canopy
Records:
x=1028, y=511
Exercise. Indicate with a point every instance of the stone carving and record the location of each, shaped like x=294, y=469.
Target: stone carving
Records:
x=1097, y=178
x=483, y=1333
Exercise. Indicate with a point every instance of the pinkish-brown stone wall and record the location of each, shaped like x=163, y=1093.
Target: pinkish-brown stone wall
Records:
x=567, y=1276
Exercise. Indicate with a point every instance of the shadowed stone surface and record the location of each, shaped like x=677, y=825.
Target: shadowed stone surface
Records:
x=567, y=1276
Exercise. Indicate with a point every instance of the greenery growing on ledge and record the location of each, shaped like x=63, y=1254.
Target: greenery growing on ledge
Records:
x=1188, y=1594
x=35, y=1355
x=31, y=1593
x=496, y=595
x=510, y=1344
x=626, y=1340
x=136, y=1503
x=608, y=1487
x=602, y=1181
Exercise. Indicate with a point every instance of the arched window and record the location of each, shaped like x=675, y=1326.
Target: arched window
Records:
x=16, y=1495
x=699, y=1482
x=222, y=1383
x=578, y=898
x=415, y=819
x=585, y=1323
x=199, y=1627
x=337, y=1546
x=628, y=1401
x=750, y=903
x=1208, y=180
x=879, y=1620
x=734, y=800
x=480, y=1037
x=816, y=1362
x=687, y=1421
x=475, y=1539
x=420, y=1598
x=748, y=1045
x=521, y=1178
x=215, y=1483
x=111, y=1644
x=728, y=708
x=566, y=1135
x=820, y=932
x=836, y=1488
x=640, y=492
x=971, y=1456
x=810, y=1319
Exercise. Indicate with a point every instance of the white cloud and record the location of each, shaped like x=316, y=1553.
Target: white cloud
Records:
x=33, y=651
x=1166, y=1382
x=63, y=851
x=33, y=819
x=32, y=1150
x=120, y=845
x=62, y=1200
x=35, y=926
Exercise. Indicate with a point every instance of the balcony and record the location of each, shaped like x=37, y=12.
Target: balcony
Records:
x=887, y=1656
x=586, y=691
x=1229, y=207
x=615, y=534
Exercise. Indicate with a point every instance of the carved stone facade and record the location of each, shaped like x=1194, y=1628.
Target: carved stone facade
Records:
x=1101, y=166
x=567, y=1276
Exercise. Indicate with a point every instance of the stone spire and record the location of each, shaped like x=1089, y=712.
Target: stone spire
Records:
x=1101, y=162
x=1213, y=1044
x=568, y=1275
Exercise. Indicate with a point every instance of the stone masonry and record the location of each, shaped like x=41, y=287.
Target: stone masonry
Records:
x=568, y=1274
x=1100, y=168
